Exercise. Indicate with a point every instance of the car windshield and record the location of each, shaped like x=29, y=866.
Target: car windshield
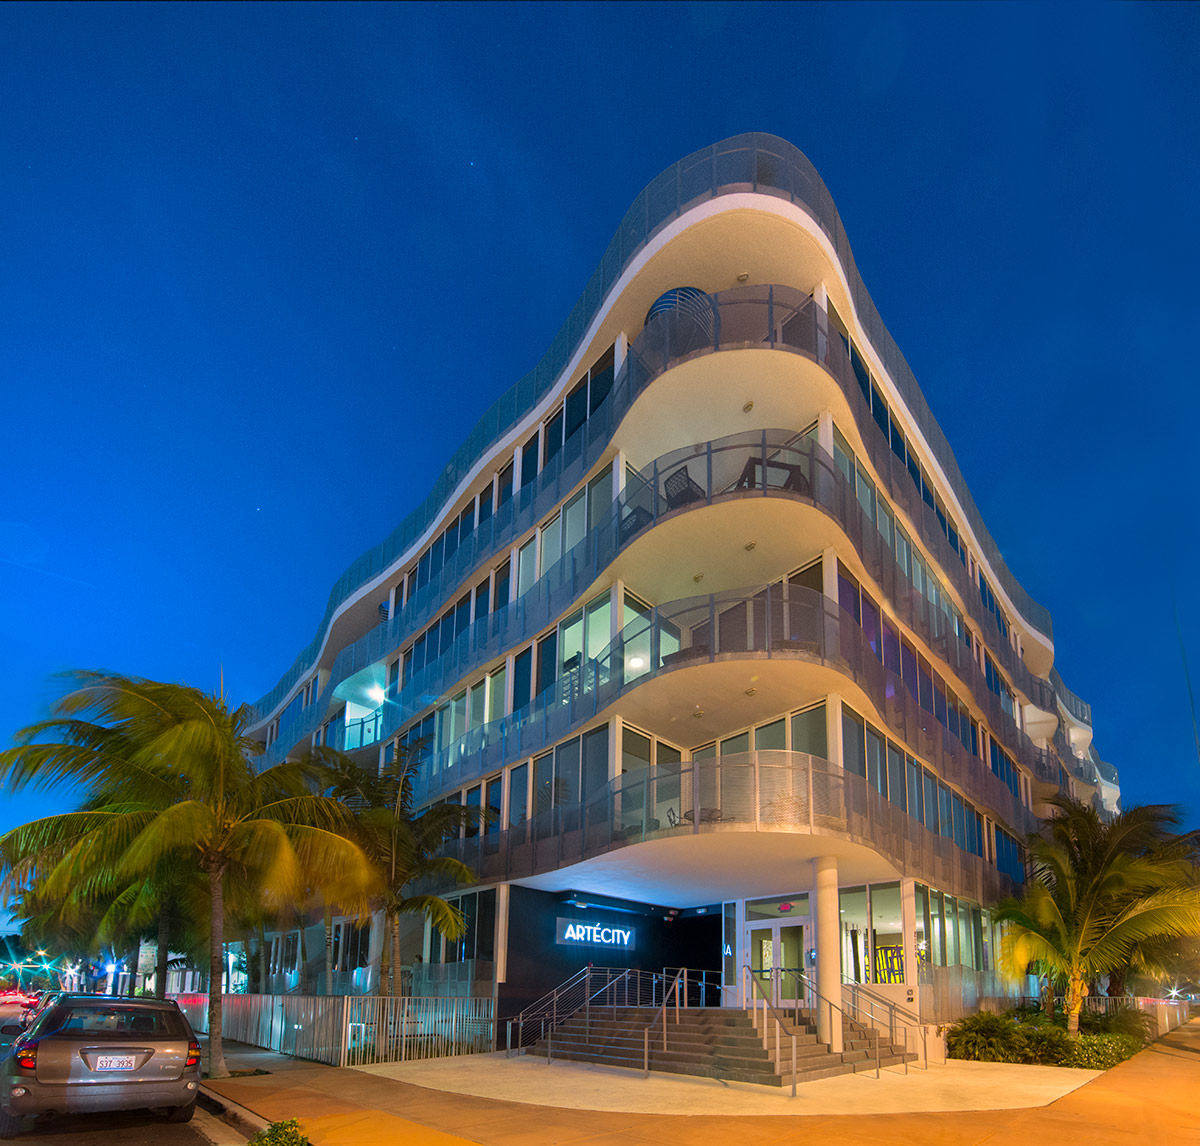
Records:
x=113, y=1022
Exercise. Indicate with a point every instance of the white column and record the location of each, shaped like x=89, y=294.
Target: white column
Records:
x=825, y=431
x=829, y=573
x=616, y=728
x=501, y=937
x=620, y=351
x=392, y=607
x=833, y=728
x=618, y=474
x=616, y=610
x=821, y=295
x=908, y=921
x=829, y=950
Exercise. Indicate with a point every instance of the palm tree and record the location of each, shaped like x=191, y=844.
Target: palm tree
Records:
x=1099, y=891
x=174, y=766
x=401, y=845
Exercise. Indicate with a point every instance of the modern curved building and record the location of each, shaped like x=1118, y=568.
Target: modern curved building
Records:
x=703, y=614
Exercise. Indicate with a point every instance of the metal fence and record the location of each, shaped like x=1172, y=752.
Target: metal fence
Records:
x=350, y=1030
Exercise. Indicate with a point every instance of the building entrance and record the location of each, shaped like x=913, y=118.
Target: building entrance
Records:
x=776, y=944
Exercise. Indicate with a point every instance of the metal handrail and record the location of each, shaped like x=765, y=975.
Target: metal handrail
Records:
x=560, y=1004
x=662, y=1010
x=810, y=990
x=895, y=1013
x=776, y=1014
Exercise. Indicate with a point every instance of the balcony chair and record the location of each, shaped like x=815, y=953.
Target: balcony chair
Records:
x=681, y=489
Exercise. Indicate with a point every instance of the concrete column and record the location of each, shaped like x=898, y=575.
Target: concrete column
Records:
x=501, y=936
x=829, y=573
x=821, y=295
x=618, y=474
x=616, y=727
x=908, y=921
x=825, y=431
x=620, y=352
x=393, y=608
x=833, y=728
x=829, y=950
x=616, y=610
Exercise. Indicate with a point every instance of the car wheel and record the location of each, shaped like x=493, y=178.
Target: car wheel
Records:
x=10, y=1124
x=179, y=1113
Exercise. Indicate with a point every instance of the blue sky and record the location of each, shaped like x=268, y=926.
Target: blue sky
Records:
x=263, y=266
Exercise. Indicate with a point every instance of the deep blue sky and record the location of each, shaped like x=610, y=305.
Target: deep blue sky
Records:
x=262, y=267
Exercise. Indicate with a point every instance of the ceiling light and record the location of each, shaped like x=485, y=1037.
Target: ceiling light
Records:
x=743, y=276
x=698, y=713
x=697, y=577
x=748, y=407
x=637, y=662
x=751, y=691
x=749, y=545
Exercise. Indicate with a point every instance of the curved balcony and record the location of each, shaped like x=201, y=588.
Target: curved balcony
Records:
x=1081, y=767
x=767, y=463
x=717, y=804
x=1079, y=709
x=772, y=624
x=757, y=163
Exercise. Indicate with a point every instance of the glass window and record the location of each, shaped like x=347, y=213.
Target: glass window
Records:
x=494, y=788
x=483, y=593
x=526, y=566
x=876, y=761
x=916, y=806
x=635, y=751
x=473, y=803
x=848, y=595
x=600, y=496
x=809, y=732
x=566, y=773
x=552, y=439
x=543, y=784
x=887, y=932
x=897, y=792
x=921, y=933
x=547, y=666
x=945, y=816
x=485, y=505
x=496, y=690
x=735, y=744
x=529, y=462
x=950, y=935
x=506, y=485
x=595, y=760
x=551, y=543
x=570, y=642
x=866, y=494
x=937, y=930
x=518, y=795
x=500, y=587
x=522, y=678
x=771, y=737
x=576, y=407
x=931, y=801
x=598, y=626
x=574, y=516
x=870, y=624
x=856, y=940
x=854, y=746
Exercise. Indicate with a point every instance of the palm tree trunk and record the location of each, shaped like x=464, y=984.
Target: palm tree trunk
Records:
x=391, y=927
x=397, y=969
x=162, y=954
x=216, y=968
x=328, y=950
x=1073, y=1002
x=304, y=969
x=385, y=954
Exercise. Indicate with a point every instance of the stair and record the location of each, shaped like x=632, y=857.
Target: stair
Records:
x=712, y=1042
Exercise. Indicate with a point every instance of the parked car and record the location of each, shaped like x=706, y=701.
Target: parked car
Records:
x=87, y=1053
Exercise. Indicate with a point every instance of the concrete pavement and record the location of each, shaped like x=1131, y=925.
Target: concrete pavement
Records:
x=1153, y=1099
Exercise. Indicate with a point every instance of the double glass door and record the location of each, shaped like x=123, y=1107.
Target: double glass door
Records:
x=776, y=951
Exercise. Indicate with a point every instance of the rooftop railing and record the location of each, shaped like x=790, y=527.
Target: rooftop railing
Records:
x=754, y=162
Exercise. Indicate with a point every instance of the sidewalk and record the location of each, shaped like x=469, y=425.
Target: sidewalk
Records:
x=1152, y=1099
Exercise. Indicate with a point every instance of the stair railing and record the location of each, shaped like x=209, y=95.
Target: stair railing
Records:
x=539, y=1019
x=807, y=990
x=862, y=1000
x=669, y=989
x=771, y=1011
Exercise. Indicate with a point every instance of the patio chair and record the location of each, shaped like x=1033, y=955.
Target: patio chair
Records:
x=681, y=489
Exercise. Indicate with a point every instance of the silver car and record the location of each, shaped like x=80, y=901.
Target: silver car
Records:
x=100, y=1053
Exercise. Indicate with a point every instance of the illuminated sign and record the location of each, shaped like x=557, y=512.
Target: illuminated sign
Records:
x=597, y=934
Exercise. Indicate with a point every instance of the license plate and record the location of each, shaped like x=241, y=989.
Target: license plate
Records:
x=114, y=1062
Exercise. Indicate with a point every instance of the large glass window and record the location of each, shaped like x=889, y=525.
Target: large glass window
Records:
x=770, y=737
x=854, y=747
x=809, y=732
x=518, y=795
x=887, y=933
x=856, y=939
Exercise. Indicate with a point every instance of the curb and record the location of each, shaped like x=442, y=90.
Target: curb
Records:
x=231, y=1112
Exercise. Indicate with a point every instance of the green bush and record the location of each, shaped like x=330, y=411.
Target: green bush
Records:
x=1043, y=1044
x=280, y=1134
x=1099, y=1052
x=985, y=1038
x=1127, y=1021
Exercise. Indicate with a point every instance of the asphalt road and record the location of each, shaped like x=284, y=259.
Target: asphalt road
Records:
x=128, y=1128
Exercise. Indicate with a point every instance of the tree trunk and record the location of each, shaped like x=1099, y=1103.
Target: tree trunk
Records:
x=397, y=967
x=392, y=939
x=162, y=954
x=328, y=950
x=216, y=968
x=385, y=954
x=304, y=983
x=1073, y=1002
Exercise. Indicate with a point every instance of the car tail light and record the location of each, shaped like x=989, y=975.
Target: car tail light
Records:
x=25, y=1054
x=193, y=1052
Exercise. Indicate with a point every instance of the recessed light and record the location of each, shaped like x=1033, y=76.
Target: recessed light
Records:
x=748, y=407
x=743, y=276
x=751, y=691
x=749, y=545
x=698, y=713
x=697, y=577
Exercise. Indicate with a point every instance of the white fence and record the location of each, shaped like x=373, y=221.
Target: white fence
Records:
x=348, y=1030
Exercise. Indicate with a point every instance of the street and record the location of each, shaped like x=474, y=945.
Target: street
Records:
x=126, y=1128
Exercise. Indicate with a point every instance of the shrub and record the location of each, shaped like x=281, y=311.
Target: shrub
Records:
x=1127, y=1021
x=985, y=1038
x=1044, y=1043
x=280, y=1134
x=1099, y=1052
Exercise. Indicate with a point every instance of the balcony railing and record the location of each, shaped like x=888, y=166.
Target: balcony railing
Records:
x=774, y=463
x=1080, y=709
x=777, y=622
x=361, y=732
x=786, y=792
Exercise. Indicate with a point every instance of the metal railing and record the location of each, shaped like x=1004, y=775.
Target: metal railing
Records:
x=351, y=1030
x=806, y=990
x=1080, y=709
x=871, y=1008
x=671, y=992
x=763, y=1009
x=756, y=161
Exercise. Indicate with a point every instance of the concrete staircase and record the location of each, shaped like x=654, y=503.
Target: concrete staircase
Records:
x=714, y=1042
